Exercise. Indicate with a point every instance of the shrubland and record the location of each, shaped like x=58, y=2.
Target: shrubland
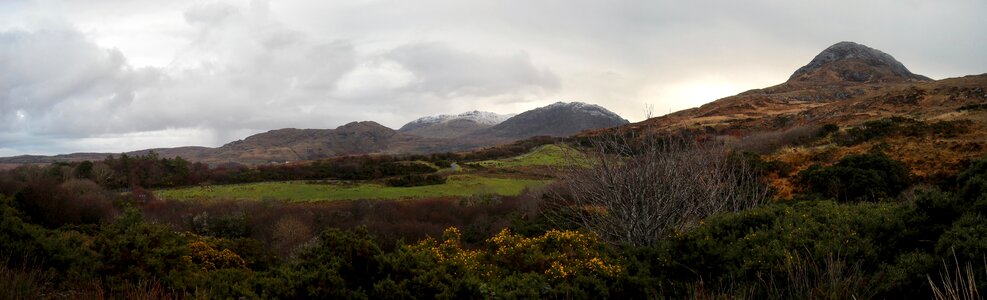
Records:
x=671, y=218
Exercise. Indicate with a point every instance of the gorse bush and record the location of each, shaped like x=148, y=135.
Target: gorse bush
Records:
x=901, y=126
x=554, y=264
x=835, y=243
x=859, y=177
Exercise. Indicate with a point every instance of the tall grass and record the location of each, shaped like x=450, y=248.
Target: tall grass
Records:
x=803, y=277
x=23, y=282
x=955, y=283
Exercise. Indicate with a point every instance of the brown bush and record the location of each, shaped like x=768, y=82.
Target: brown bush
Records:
x=74, y=202
x=770, y=141
x=639, y=190
x=289, y=232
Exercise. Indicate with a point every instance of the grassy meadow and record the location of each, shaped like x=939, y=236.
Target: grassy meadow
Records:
x=547, y=155
x=456, y=186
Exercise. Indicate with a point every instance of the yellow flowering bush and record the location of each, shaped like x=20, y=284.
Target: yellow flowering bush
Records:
x=209, y=258
x=559, y=254
x=449, y=252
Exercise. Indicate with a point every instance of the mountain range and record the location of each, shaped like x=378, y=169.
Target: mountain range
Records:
x=846, y=84
x=465, y=131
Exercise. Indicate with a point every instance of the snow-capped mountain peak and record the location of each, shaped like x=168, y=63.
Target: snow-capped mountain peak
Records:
x=481, y=117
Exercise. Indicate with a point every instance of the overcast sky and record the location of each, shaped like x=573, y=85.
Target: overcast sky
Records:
x=112, y=76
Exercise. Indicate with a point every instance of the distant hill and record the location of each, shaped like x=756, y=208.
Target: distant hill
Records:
x=441, y=133
x=451, y=126
x=558, y=119
x=852, y=62
x=292, y=144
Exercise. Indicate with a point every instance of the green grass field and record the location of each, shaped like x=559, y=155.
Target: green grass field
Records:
x=457, y=185
x=547, y=155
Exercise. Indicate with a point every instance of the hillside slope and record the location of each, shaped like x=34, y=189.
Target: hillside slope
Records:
x=846, y=88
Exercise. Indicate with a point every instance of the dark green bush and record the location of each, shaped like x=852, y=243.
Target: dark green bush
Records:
x=131, y=250
x=415, y=180
x=787, y=244
x=229, y=225
x=860, y=177
x=442, y=163
x=902, y=126
x=828, y=129
x=967, y=238
x=341, y=265
x=972, y=185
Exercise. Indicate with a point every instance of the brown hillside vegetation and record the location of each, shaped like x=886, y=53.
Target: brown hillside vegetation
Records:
x=847, y=92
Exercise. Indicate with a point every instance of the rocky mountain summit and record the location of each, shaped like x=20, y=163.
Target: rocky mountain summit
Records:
x=852, y=62
x=845, y=84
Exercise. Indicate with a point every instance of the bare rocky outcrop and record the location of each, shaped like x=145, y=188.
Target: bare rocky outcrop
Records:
x=852, y=62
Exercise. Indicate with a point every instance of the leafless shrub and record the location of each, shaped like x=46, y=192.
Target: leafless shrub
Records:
x=290, y=232
x=770, y=141
x=960, y=283
x=637, y=190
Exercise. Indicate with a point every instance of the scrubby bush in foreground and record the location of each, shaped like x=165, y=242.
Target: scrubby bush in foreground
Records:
x=858, y=177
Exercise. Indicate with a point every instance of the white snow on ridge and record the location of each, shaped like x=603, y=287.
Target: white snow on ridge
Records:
x=591, y=109
x=482, y=117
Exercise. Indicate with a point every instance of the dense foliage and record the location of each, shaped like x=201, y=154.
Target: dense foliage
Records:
x=859, y=177
x=859, y=231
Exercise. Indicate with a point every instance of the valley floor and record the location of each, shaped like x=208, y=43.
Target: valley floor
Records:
x=456, y=186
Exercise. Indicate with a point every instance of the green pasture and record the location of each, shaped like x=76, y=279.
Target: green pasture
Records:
x=456, y=186
x=547, y=155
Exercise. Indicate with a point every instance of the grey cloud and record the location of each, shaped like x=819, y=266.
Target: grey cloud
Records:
x=59, y=83
x=53, y=76
x=448, y=72
x=209, y=13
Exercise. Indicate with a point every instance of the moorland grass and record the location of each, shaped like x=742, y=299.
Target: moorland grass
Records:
x=547, y=155
x=455, y=186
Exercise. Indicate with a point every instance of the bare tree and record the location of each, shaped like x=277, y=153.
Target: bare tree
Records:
x=637, y=190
